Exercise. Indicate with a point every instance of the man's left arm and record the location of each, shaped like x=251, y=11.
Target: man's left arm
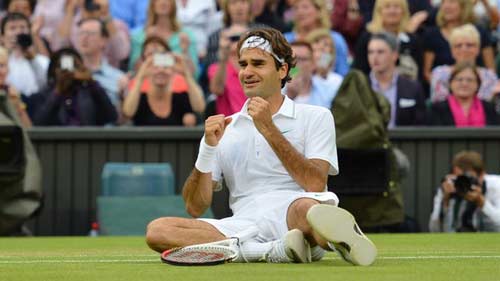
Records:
x=310, y=174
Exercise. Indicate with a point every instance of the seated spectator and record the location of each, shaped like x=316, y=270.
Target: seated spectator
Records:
x=223, y=75
x=162, y=22
x=306, y=87
x=92, y=40
x=12, y=93
x=347, y=20
x=405, y=96
x=160, y=106
x=465, y=46
x=468, y=199
x=132, y=12
x=392, y=16
x=117, y=46
x=72, y=97
x=324, y=56
x=24, y=7
x=310, y=15
x=452, y=14
x=463, y=108
x=27, y=67
x=235, y=13
x=415, y=6
x=197, y=17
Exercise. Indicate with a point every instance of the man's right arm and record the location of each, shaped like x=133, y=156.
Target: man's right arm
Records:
x=197, y=192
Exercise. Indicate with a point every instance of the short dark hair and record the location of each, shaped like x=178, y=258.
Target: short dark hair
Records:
x=390, y=39
x=280, y=47
x=469, y=160
x=157, y=40
x=303, y=44
x=102, y=26
x=13, y=17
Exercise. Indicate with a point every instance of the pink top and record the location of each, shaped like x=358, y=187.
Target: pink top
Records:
x=475, y=118
x=233, y=97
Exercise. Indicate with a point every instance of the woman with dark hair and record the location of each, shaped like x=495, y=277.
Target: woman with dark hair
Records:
x=72, y=97
x=157, y=104
x=463, y=108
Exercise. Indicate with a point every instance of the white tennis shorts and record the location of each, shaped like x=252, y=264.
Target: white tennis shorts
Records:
x=267, y=213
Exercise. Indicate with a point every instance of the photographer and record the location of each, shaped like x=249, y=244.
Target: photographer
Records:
x=27, y=67
x=468, y=199
x=72, y=97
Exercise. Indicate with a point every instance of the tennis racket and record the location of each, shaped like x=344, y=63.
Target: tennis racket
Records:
x=202, y=254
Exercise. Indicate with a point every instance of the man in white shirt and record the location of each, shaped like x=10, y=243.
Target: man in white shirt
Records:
x=275, y=156
x=468, y=199
x=27, y=68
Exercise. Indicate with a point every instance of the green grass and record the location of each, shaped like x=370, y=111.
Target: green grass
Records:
x=401, y=257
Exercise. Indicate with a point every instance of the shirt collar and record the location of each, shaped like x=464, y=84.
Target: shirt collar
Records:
x=287, y=110
x=376, y=84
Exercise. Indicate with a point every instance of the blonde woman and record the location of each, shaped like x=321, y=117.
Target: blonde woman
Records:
x=392, y=16
x=310, y=15
x=452, y=14
x=162, y=22
x=465, y=47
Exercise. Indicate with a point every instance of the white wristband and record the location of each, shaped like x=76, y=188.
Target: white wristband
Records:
x=206, y=157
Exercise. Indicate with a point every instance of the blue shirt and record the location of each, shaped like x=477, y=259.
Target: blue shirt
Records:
x=341, y=51
x=132, y=12
x=391, y=94
x=108, y=77
x=321, y=94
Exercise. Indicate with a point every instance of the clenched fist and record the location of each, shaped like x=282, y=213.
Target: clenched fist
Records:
x=214, y=128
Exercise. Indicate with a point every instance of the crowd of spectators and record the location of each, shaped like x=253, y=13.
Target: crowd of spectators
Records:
x=174, y=62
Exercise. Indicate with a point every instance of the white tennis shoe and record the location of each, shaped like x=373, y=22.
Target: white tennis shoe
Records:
x=291, y=248
x=339, y=228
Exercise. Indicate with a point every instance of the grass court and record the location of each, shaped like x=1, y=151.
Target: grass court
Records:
x=406, y=257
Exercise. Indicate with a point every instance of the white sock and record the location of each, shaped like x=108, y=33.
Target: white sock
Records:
x=252, y=251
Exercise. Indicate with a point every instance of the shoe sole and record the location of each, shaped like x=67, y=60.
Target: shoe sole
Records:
x=298, y=246
x=339, y=227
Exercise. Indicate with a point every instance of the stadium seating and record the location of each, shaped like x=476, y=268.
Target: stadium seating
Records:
x=133, y=194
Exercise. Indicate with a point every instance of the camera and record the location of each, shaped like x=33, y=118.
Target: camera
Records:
x=464, y=183
x=24, y=40
x=163, y=60
x=90, y=6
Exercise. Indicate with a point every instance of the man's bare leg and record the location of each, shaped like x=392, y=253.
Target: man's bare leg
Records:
x=169, y=232
x=296, y=218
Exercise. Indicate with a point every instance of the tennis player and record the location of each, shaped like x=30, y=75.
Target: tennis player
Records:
x=275, y=157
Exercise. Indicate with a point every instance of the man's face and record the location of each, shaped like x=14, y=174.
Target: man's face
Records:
x=305, y=60
x=12, y=30
x=258, y=74
x=380, y=56
x=90, y=39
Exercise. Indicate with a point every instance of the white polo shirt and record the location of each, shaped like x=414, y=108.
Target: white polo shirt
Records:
x=249, y=165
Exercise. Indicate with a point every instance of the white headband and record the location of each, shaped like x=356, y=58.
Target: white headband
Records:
x=261, y=43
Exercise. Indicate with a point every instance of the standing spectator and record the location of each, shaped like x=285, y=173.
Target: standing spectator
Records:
x=160, y=106
x=223, y=75
x=162, y=22
x=451, y=14
x=310, y=15
x=306, y=87
x=235, y=13
x=465, y=47
x=12, y=93
x=117, y=46
x=72, y=97
x=197, y=17
x=392, y=16
x=92, y=39
x=463, y=108
x=132, y=12
x=50, y=13
x=27, y=67
x=404, y=95
x=347, y=20
x=324, y=56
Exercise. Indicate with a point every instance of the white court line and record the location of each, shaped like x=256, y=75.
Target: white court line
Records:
x=156, y=260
